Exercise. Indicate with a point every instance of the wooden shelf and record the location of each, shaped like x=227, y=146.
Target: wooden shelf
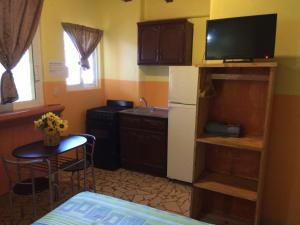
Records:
x=29, y=113
x=229, y=185
x=217, y=219
x=250, y=143
x=245, y=77
x=235, y=65
x=241, y=93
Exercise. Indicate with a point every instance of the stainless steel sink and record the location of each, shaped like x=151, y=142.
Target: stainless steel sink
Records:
x=148, y=111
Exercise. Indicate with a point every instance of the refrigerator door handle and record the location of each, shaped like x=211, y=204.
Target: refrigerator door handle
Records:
x=178, y=103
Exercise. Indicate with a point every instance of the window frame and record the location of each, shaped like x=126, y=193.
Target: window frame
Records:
x=36, y=64
x=82, y=86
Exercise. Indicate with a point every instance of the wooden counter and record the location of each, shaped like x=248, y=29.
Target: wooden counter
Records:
x=10, y=118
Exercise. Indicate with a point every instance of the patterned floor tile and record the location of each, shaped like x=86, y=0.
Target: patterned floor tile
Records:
x=137, y=187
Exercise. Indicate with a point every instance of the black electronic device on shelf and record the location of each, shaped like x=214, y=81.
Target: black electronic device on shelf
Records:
x=223, y=129
x=241, y=38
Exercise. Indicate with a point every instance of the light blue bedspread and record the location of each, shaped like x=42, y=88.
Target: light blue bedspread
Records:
x=88, y=208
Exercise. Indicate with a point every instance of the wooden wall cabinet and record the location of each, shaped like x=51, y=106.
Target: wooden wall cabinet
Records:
x=165, y=42
x=143, y=142
x=229, y=172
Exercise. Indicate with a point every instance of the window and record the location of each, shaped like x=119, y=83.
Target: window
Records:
x=77, y=77
x=27, y=77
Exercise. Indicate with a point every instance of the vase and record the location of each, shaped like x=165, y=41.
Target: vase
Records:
x=51, y=140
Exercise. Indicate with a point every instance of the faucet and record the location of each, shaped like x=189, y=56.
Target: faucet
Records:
x=143, y=100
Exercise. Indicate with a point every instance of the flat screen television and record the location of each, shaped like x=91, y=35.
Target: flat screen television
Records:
x=245, y=38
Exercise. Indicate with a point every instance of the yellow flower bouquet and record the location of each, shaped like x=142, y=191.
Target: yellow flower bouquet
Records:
x=52, y=126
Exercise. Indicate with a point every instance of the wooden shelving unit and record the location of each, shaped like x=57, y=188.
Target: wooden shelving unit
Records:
x=248, y=143
x=219, y=219
x=229, y=171
x=229, y=185
x=249, y=77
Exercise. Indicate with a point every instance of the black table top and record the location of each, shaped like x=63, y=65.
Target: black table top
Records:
x=39, y=150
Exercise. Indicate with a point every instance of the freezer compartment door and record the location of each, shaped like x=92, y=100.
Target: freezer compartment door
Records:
x=181, y=142
x=183, y=84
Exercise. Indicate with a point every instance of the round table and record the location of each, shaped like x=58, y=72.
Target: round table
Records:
x=37, y=150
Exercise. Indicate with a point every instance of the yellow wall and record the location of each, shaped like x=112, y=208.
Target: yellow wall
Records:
x=196, y=10
x=281, y=202
x=76, y=102
x=118, y=20
x=287, y=38
x=121, y=73
x=157, y=9
x=123, y=77
x=54, y=13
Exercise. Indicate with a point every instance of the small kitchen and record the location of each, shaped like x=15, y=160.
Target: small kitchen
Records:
x=128, y=108
x=174, y=128
x=147, y=138
x=204, y=135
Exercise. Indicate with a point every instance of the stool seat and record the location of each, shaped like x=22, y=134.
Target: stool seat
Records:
x=41, y=184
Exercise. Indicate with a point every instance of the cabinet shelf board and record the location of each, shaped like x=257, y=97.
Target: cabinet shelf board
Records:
x=249, y=143
x=239, y=64
x=217, y=219
x=229, y=185
x=245, y=77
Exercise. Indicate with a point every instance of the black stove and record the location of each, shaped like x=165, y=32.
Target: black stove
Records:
x=103, y=123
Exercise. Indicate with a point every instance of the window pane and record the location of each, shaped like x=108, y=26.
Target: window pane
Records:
x=71, y=60
x=76, y=75
x=24, y=78
x=88, y=76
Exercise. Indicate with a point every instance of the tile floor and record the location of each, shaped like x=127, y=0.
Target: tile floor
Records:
x=156, y=192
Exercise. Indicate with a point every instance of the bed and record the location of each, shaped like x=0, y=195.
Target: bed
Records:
x=87, y=208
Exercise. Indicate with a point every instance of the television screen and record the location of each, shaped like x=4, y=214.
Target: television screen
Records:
x=248, y=37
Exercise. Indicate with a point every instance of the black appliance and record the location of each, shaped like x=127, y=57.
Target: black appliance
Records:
x=249, y=37
x=103, y=123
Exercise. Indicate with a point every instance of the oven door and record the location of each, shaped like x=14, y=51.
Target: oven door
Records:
x=106, y=154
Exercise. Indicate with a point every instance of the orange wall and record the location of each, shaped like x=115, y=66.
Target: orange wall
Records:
x=155, y=92
x=76, y=102
x=281, y=198
x=121, y=90
x=123, y=77
x=17, y=129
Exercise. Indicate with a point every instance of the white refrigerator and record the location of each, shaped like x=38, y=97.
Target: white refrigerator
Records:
x=183, y=85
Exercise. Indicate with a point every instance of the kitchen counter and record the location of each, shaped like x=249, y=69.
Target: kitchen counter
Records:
x=149, y=112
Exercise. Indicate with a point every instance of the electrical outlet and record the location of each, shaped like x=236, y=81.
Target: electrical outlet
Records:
x=56, y=91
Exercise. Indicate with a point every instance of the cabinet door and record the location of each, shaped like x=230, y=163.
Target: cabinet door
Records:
x=172, y=44
x=154, y=152
x=130, y=142
x=148, y=43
